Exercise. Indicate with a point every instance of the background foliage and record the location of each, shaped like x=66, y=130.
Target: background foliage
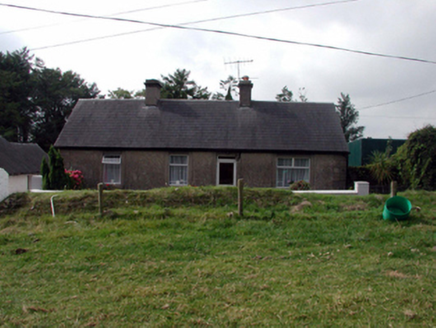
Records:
x=35, y=101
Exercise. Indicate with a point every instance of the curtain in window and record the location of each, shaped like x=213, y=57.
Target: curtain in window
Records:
x=112, y=174
x=178, y=170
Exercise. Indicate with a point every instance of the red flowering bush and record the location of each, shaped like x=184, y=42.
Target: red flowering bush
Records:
x=76, y=178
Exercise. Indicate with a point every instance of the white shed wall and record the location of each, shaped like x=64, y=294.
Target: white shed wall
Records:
x=35, y=182
x=18, y=183
x=4, y=184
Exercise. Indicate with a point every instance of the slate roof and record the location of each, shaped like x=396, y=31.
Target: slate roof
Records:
x=203, y=125
x=20, y=158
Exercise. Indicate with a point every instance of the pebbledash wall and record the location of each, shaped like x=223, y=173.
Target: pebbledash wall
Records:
x=150, y=169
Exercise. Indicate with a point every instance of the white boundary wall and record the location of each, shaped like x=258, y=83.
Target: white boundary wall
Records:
x=4, y=184
x=361, y=188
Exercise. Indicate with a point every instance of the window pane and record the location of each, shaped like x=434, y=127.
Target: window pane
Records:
x=112, y=173
x=178, y=170
x=178, y=175
x=178, y=159
x=111, y=159
x=301, y=162
x=284, y=162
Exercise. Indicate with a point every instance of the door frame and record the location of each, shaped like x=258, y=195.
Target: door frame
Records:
x=225, y=160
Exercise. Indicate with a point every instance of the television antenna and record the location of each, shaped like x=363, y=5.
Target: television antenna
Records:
x=238, y=64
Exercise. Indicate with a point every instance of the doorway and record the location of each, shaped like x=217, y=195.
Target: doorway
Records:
x=226, y=172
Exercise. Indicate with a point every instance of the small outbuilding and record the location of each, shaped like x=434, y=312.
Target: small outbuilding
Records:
x=19, y=167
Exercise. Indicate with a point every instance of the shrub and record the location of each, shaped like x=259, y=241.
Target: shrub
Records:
x=53, y=173
x=76, y=179
x=300, y=185
x=415, y=159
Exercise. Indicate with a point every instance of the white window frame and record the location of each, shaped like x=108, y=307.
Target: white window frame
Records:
x=109, y=161
x=178, y=182
x=292, y=166
x=225, y=160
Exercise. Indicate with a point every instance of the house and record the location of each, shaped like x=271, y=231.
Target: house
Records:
x=19, y=167
x=361, y=149
x=143, y=144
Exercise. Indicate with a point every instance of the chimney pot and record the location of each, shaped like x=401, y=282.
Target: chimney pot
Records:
x=152, y=92
x=245, y=87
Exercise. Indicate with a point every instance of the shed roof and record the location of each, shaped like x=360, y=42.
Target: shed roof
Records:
x=203, y=125
x=20, y=158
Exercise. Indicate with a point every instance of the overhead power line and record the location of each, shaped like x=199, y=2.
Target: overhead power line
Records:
x=191, y=23
x=368, y=53
x=115, y=14
x=399, y=100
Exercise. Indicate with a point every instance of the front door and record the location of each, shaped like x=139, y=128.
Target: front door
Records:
x=226, y=172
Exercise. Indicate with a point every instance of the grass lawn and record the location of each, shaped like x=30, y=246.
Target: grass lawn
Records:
x=183, y=257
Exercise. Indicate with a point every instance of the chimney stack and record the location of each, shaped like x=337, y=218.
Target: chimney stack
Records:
x=152, y=92
x=245, y=87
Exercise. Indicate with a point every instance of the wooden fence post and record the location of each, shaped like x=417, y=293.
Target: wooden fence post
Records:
x=394, y=187
x=241, y=197
x=100, y=198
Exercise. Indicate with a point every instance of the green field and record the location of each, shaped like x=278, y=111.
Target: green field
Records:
x=182, y=257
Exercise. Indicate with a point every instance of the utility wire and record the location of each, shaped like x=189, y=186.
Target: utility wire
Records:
x=401, y=117
x=190, y=23
x=115, y=14
x=398, y=100
x=368, y=53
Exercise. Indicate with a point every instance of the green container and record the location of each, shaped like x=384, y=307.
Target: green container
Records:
x=397, y=208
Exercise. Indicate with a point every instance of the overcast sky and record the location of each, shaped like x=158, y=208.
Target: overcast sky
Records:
x=404, y=28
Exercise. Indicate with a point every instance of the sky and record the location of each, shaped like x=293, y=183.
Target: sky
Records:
x=394, y=96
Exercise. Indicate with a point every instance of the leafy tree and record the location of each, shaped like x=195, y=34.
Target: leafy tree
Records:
x=201, y=93
x=416, y=159
x=120, y=94
x=349, y=116
x=55, y=95
x=34, y=100
x=16, y=107
x=302, y=94
x=285, y=96
x=178, y=85
x=126, y=94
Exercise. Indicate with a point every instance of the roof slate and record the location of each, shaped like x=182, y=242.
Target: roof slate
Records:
x=20, y=158
x=203, y=125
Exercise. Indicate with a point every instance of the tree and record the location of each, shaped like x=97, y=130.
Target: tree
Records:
x=53, y=173
x=302, y=94
x=126, y=94
x=34, y=100
x=229, y=85
x=285, y=96
x=349, y=116
x=120, y=94
x=16, y=107
x=178, y=85
x=416, y=159
x=382, y=166
x=55, y=95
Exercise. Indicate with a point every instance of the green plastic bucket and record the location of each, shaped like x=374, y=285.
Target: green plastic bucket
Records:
x=397, y=208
